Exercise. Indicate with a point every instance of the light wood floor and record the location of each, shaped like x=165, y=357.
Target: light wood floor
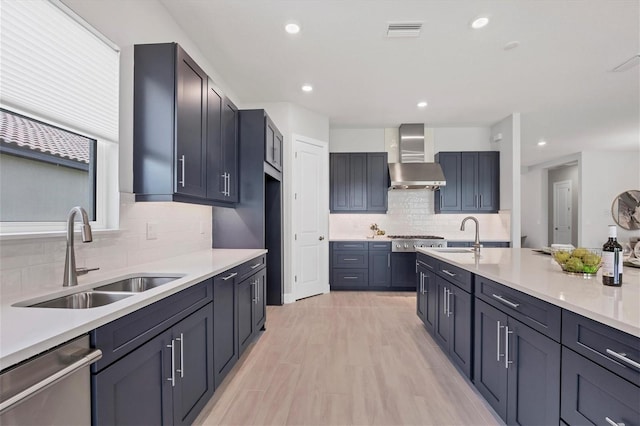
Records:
x=346, y=358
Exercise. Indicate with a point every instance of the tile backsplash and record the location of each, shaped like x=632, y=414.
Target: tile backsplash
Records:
x=30, y=266
x=412, y=212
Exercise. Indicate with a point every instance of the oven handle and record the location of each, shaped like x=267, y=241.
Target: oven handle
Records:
x=86, y=360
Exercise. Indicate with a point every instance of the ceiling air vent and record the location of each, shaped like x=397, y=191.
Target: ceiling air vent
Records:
x=404, y=29
x=628, y=64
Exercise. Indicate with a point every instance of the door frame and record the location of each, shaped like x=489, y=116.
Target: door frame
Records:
x=324, y=269
x=556, y=185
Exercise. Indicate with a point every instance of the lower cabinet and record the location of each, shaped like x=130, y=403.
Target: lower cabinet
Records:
x=251, y=308
x=426, y=297
x=379, y=268
x=592, y=394
x=168, y=380
x=452, y=329
x=517, y=369
x=403, y=270
x=225, y=326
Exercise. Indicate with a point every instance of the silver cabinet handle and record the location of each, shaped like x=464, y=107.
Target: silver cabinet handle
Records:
x=231, y=275
x=181, y=370
x=505, y=301
x=449, y=309
x=623, y=358
x=349, y=259
x=444, y=300
x=228, y=184
x=181, y=159
x=498, y=327
x=224, y=183
x=172, y=379
x=256, y=265
x=388, y=260
x=480, y=203
x=86, y=360
x=451, y=274
x=254, y=299
x=612, y=423
x=258, y=289
x=506, y=346
x=424, y=287
x=352, y=245
x=350, y=278
x=421, y=283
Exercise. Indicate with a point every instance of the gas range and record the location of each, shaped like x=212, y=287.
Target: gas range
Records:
x=409, y=243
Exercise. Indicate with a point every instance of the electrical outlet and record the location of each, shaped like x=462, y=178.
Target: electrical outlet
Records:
x=152, y=230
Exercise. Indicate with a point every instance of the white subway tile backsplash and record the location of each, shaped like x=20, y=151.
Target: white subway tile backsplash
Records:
x=31, y=266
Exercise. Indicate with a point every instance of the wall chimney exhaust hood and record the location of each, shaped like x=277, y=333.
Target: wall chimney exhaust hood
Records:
x=412, y=172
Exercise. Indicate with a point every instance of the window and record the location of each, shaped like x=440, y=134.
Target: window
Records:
x=59, y=114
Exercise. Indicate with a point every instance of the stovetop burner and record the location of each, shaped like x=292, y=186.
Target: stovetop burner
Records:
x=415, y=237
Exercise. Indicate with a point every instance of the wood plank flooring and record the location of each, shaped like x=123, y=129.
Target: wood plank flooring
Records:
x=346, y=358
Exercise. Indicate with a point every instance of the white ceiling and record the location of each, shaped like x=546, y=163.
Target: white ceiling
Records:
x=559, y=77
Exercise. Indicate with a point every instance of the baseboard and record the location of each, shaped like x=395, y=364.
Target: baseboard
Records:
x=289, y=298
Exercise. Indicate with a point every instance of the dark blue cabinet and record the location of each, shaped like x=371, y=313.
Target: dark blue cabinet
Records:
x=517, y=369
x=168, y=380
x=380, y=268
x=251, y=308
x=225, y=325
x=473, y=182
x=403, y=270
x=426, y=296
x=358, y=182
x=273, y=144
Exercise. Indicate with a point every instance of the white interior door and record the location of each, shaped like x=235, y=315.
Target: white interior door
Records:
x=311, y=217
x=562, y=212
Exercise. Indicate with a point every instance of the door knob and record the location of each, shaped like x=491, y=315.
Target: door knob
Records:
x=321, y=237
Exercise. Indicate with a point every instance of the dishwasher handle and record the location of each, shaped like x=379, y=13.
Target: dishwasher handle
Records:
x=85, y=361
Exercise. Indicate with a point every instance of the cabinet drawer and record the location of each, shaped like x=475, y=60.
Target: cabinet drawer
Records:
x=384, y=246
x=537, y=314
x=591, y=394
x=249, y=268
x=350, y=259
x=350, y=278
x=349, y=245
x=428, y=262
x=602, y=345
x=462, y=278
x=123, y=335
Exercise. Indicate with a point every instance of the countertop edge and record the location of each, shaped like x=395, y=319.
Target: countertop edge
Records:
x=106, y=314
x=626, y=327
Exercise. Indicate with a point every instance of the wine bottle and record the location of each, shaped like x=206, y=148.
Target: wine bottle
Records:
x=612, y=260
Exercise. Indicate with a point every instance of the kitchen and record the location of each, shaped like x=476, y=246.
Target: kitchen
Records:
x=182, y=228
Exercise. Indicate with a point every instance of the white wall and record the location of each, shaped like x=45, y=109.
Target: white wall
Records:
x=535, y=208
x=356, y=140
x=509, y=148
x=604, y=175
x=462, y=139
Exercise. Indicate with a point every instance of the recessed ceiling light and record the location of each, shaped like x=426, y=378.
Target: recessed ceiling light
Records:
x=542, y=142
x=511, y=45
x=292, y=28
x=422, y=104
x=307, y=88
x=479, y=22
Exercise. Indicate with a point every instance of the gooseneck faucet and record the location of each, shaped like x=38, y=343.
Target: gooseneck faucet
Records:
x=476, y=243
x=70, y=273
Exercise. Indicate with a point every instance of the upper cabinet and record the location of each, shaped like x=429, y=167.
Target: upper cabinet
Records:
x=185, y=131
x=273, y=144
x=473, y=182
x=359, y=182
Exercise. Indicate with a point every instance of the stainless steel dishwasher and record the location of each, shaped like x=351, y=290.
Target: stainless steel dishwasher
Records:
x=50, y=389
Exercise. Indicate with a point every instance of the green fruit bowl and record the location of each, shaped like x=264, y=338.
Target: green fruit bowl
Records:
x=579, y=261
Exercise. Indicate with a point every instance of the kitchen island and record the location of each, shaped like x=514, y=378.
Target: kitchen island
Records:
x=526, y=333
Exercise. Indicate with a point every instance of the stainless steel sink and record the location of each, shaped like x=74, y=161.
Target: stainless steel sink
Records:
x=83, y=300
x=453, y=250
x=136, y=284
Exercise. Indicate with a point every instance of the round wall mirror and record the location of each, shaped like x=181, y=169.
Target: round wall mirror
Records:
x=626, y=210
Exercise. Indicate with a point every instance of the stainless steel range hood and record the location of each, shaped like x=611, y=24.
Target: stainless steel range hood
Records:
x=412, y=172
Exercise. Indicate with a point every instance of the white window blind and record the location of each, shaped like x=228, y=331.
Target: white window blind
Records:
x=55, y=68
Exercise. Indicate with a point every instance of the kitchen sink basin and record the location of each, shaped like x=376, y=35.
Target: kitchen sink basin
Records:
x=136, y=284
x=454, y=250
x=83, y=300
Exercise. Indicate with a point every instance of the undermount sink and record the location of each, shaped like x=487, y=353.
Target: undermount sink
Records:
x=136, y=284
x=453, y=250
x=83, y=300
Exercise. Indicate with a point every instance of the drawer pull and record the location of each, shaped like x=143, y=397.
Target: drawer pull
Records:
x=612, y=423
x=451, y=274
x=350, y=278
x=256, y=265
x=622, y=357
x=350, y=260
x=505, y=301
x=506, y=346
x=230, y=276
x=352, y=245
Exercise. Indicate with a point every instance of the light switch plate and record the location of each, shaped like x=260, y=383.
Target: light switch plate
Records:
x=152, y=230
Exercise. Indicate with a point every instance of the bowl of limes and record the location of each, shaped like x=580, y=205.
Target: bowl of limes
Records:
x=578, y=261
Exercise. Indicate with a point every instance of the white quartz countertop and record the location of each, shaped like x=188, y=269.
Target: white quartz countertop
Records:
x=25, y=332
x=540, y=276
